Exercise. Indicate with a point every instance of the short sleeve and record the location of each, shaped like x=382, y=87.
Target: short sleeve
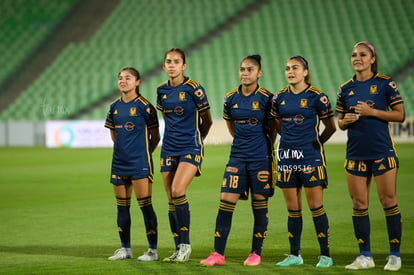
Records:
x=159, y=105
x=340, y=102
x=226, y=109
x=393, y=96
x=274, y=111
x=152, y=121
x=200, y=98
x=324, y=107
x=109, y=122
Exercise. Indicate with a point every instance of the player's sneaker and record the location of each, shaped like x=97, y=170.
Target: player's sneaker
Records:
x=324, y=261
x=172, y=257
x=253, y=259
x=183, y=253
x=215, y=258
x=291, y=260
x=361, y=262
x=393, y=264
x=150, y=255
x=121, y=254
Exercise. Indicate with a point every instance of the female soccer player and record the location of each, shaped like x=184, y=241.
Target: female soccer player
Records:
x=362, y=108
x=184, y=106
x=134, y=129
x=247, y=114
x=299, y=108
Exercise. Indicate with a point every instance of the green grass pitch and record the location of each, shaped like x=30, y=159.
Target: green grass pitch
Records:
x=58, y=215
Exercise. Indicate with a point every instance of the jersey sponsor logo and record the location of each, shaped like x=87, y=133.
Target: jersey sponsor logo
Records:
x=304, y=103
x=231, y=169
x=283, y=103
x=381, y=167
x=351, y=93
x=298, y=119
x=373, y=89
x=116, y=112
x=289, y=154
x=188, y=156
x=267, y=186
x=133, y=111
x=324, y=100
x=313, y=178
x=263, y=176
x=129, y=126
x=164, y=96
x=182, y=96
x=253, y=121
x=179, y=110
x=393, y=85
x=235, y=106
x=199, y=93
x=255, y=106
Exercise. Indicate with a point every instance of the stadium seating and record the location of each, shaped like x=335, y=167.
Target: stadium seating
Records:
x=24, y=25
x=322, y=31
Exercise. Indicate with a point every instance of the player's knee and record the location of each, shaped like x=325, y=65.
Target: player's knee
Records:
x=387, y=200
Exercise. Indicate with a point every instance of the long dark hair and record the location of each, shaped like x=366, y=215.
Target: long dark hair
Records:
x=135, y=73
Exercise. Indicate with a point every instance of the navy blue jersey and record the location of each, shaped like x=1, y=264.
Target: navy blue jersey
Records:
x=182, y=105
x=249, y=115
x=131, y=121
x=369, y=137
x=300, y=115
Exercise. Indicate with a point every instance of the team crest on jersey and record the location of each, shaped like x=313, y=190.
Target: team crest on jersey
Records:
x=182, y=96
x=373, y=89
x=304, y=103
x=255, y=105
x=351, y=93
x=133, y=111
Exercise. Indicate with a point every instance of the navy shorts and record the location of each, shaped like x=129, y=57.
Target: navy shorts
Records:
x=307, y=176
x=367, y=168
x=170, y=163
x=241, y=176
x=125, y=180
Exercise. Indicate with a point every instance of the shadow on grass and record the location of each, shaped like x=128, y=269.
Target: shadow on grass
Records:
x=75, y=251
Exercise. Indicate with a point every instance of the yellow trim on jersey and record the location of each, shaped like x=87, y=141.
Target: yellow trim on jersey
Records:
x=163, y=84
x=192, y=83
x=283, y=90
x=314, y=89
x=232, y=92
x=343, y=84
x=382, y=76
x=319, y=142
x=148, y=152
x=143, y=100
x=263, y=91
x=392, y=140
x=199, y=134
